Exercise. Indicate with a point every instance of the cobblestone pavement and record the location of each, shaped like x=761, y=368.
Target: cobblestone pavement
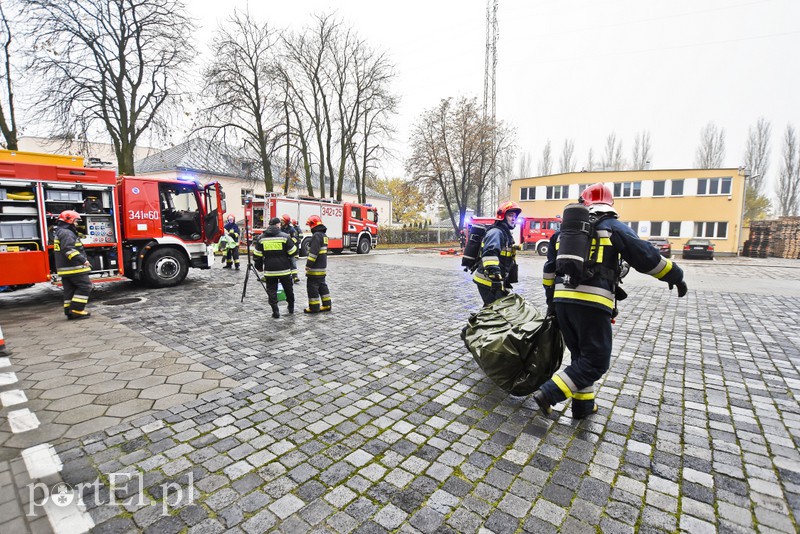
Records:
x=374, y=417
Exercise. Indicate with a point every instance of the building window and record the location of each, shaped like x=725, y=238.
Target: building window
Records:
x=711, y=229
x=527, y=193
x=634, y=225
x=674, y=229
x=714, y=186
x=245, y=193
x=627, y=189
x=655, y=228
x=677, y=188
x=582, y=188
x=658, y=188
x=557, y=192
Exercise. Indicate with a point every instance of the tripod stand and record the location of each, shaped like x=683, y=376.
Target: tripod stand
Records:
x=250, y=266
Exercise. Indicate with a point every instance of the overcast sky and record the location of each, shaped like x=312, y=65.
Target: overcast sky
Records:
x=581, y=69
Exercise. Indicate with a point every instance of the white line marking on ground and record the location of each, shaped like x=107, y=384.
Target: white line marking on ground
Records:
x=41, y=461
x=22, y=420
x=7, y=378
x=12, y=397
x=68, y=519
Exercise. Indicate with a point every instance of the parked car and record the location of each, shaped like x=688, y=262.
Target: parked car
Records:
x=663, y=245
x=698, y=248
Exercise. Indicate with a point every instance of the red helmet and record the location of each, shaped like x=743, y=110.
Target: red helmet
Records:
x=69, y=216
x=596, y=194
x=506, y=207
x=286, y=219
x=294, y=222
x=230, y=217
x=313, y=221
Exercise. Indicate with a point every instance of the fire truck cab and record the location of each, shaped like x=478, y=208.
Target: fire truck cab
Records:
x=533, y=233
x=145, y=229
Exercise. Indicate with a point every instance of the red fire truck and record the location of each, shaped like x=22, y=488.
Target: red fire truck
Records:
x=147, y=229
x=350, y=226
x=533, y=232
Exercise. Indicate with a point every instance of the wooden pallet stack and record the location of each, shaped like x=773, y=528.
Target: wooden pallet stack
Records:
x=776, y=238
x=758, y=244
x=789, y=235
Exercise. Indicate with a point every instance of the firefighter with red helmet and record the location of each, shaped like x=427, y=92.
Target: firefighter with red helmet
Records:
x=232, y=254
x=272, y=252
x=72, y=265
x=319, y=297
x=291, y=230
x=497, y=265
x=584, y=308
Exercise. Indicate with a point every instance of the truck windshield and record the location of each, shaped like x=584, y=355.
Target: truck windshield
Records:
x=180, y=210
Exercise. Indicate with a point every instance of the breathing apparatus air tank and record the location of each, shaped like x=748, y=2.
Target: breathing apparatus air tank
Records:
x=473, y=247
x=574, y=244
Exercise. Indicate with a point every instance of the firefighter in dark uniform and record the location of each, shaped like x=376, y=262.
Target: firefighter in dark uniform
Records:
x=319, y=298
x=232, y=254
x=72, y=265
x=497, y=265
x=273, y=251
x=291, y=230
x=584, y=311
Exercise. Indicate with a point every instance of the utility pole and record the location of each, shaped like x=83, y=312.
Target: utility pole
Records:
x=489, y=87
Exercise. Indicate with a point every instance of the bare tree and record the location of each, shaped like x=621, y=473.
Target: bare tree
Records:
x=450, y=145
x=117, y=65
x=566, y=162
x=641, y=151
x=240, y=84
x=8, y=121
x=788, y=187
x=546, y=163
x=756, y=155
x=711, y=152
x=590, y=163
x=612, y=157
x=340, y=88
x=524, y=165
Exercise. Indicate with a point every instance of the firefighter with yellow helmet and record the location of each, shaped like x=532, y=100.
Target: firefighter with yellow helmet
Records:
x=585, y=301
x=497, y=264
x=72, y=265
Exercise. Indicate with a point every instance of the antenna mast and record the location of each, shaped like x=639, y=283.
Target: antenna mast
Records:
x=489, y=99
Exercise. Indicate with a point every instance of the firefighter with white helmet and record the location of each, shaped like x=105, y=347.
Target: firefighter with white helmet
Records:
x=497, y=265
x=585, y=303
x=319, y=297
x=72, y=265
x=232, y=253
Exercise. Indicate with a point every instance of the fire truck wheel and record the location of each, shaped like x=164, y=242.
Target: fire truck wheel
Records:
x=542, y=248
x=304, y=248
x=364, y=245
x=166, y=267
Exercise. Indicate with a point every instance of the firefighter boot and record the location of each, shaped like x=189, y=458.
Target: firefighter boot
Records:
x=78, y=315
x=291, y=306
x=312, y=308
x=326, y=304
x=275, y=312
x=227, y=266
x=237, y=265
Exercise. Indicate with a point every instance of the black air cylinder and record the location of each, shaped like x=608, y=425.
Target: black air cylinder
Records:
x=573, y=244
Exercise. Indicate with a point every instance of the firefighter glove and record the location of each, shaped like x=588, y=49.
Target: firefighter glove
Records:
x=493, y=273
x=682, y=288
x=551, y=310
x=497, y=285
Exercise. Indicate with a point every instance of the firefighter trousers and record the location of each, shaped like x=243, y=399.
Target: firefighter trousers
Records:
x=232, y=256
x=319, y=298
x=587, y=335
x=272, y=290
x=489, y=295
x=76, y=293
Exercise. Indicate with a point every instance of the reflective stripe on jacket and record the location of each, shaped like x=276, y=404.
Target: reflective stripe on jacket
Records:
x=69, y=253
x=615, y=239
x=497, y=250
x=272, y=252
x=317, y=263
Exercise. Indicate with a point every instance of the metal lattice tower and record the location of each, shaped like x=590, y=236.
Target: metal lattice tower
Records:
x=489, y=85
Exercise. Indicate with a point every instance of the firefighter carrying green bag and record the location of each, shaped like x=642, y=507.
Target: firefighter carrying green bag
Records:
x=517, y=348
